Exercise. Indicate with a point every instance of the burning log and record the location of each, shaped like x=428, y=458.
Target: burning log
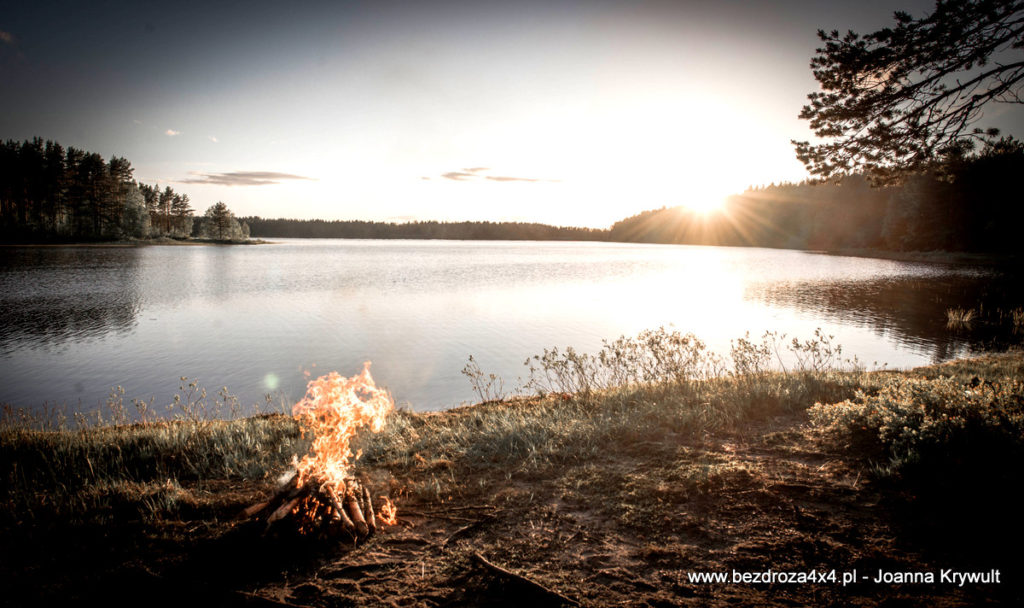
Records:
x=355, y=512
x=316, y=507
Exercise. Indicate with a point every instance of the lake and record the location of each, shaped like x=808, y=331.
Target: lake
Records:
x=78, y=321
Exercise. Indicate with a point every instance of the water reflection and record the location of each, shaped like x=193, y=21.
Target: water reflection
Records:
x=56, y=296
x=77, y=321
x=912, y=310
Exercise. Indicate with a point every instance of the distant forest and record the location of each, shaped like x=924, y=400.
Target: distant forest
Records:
x=499, y=231
x=970, y=202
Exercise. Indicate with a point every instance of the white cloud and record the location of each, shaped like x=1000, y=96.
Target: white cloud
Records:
x=472, y=173
x=171, y=132
x=137, y=121
x=242, y=178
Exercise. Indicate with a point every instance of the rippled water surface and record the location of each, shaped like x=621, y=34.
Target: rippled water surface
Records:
x=78, y=321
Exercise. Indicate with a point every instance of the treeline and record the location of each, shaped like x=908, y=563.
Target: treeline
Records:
x=353, y=229
x=48, y=192
x=968, y=202
x=52, y=193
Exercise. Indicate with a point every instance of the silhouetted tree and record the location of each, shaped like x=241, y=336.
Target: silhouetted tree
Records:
x=56, y=178
x=92, y=173
x=893, y=100
x=164, y=202
x=115, y=198
x=47, y=191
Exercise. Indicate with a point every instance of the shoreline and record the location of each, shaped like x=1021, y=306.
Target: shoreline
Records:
x=955, y=258
x=610, y=498
x=160, y=242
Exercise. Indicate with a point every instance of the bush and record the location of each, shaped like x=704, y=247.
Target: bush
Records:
x=937, y=427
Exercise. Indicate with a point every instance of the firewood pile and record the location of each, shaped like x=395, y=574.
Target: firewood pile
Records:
x=315, y=508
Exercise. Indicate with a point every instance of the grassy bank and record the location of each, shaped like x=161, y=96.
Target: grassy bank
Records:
x=958, y=258
x=661, y=460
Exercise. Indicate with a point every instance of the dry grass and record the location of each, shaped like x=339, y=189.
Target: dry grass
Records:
x=91, y=473
x=959, y=318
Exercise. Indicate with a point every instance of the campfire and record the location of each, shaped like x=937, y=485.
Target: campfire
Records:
x=320, y=496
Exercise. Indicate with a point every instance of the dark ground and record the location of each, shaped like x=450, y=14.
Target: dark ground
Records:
x=623, y=531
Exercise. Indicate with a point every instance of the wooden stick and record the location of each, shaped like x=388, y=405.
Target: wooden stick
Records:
x=352, y=506
x=467, y=529
x=254, y=509
x=523, y=581
x=371, y=519
x=339, y=511
x=284, y=510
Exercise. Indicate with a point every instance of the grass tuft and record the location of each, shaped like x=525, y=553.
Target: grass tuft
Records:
x=959, y=318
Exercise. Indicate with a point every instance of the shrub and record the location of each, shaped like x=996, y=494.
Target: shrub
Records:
x=932, y=427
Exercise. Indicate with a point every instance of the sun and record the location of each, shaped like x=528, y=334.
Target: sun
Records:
x=705, y=196
x=705, y=205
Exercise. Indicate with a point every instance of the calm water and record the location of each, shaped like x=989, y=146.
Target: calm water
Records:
x=78, y=321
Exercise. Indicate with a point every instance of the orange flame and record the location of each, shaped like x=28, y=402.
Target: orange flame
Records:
x=332, y=410
x=388, y=512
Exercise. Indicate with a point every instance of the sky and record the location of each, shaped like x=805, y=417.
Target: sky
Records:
x=568, y=113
